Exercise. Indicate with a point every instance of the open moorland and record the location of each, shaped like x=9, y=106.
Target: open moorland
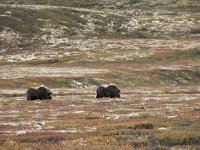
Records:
x=149, y=49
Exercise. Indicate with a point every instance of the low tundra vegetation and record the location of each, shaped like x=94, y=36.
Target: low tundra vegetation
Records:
x=151, y=55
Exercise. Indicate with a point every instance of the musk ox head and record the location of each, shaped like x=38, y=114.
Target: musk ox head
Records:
x=110, y=91
x=41, y=93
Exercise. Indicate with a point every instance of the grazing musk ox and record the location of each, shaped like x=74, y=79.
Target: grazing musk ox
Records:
x=41, y=93
x=110, y=91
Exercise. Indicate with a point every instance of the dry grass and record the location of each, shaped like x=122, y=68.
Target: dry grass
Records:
x=80, y=119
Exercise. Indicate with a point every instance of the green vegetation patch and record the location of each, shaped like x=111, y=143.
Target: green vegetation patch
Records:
x=188, y=135
x=172, y=55
x=144, y=126
x=183, y=77
x=88, y=81
x=151, y=77
x=68, y=3
x=21, y=20
x=30, y=22
x=52, y=82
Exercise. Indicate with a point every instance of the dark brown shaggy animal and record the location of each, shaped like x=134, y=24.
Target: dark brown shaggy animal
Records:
x=110, y=91
x=41, y=93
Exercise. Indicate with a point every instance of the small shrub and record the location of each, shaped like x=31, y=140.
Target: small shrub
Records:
x=195, y=31
x=144, y=126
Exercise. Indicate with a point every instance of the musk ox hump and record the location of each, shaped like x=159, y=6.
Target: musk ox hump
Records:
x=100, y=92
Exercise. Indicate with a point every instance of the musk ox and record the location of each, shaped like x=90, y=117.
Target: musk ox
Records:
x=110, y=91
x=41, y=93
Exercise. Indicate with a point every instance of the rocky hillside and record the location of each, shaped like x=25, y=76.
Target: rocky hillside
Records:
x=99, y=4
x=83, y=34
x=50, y=25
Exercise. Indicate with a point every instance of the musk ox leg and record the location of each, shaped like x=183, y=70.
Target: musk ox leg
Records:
x=118, y=95
x=27, y=96
x=112, y=95
x=99, y=96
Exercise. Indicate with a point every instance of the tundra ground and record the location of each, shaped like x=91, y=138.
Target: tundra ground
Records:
x=158, y=75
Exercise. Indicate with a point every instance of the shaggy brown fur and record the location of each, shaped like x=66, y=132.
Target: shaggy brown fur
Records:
x=41, y=93
x=110, y=91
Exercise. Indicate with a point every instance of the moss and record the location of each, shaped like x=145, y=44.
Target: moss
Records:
x=11, y=22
